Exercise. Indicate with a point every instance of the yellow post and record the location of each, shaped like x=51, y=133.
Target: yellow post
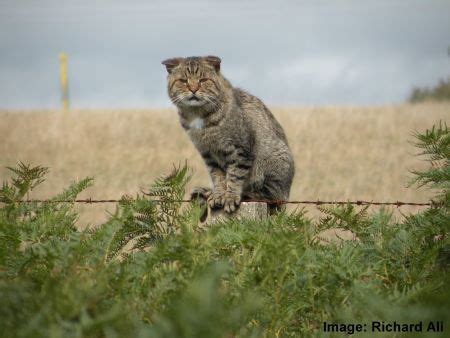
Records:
x=63, y=81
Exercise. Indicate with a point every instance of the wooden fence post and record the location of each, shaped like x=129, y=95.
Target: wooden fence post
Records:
x=248, y=210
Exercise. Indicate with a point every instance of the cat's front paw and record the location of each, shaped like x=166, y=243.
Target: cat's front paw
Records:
x=216, y=199
x=231, y=202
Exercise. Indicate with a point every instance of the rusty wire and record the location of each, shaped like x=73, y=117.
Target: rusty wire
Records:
x=278, y=202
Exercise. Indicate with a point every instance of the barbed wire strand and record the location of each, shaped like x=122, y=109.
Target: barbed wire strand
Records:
x=278, y=202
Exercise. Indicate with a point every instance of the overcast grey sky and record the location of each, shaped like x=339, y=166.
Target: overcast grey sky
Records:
x=313, y=52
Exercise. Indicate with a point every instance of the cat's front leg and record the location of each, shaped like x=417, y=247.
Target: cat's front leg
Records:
x=238, y=170
x=218, y=178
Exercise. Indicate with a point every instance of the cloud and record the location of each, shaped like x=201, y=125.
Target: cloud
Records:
x=290, y=52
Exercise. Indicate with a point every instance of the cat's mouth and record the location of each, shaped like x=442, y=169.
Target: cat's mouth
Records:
x=194, y=101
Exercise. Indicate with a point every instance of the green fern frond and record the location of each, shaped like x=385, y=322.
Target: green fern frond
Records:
x=145, y=220
x=75, y=188
x=344, y=216
x=435, y=142
x=27, y=178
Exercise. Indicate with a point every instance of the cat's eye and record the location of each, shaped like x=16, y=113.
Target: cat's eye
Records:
x=203, y=80
x=183, y=80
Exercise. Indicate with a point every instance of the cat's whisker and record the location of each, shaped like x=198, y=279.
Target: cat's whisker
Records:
x=211, y=99
x=178, y=98
x=213, y=104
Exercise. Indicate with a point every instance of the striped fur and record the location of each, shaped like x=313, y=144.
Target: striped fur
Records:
x=242, y=144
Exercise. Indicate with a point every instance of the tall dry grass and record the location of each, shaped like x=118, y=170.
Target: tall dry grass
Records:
x=341, y=153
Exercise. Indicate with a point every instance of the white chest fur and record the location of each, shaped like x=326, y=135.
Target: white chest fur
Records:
x=196, y=123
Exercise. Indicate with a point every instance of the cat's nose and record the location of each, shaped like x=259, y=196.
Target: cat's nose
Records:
x=193, y=87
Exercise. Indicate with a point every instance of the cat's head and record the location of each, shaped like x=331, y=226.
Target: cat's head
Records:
x=194, y=81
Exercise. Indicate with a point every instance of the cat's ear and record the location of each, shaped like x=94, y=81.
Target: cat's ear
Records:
x=171, y=63
x=214, y=61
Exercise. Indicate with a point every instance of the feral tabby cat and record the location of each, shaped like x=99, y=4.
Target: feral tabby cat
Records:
x=242, y=144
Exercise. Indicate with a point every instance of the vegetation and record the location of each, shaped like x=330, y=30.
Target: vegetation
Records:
x=151, y=271
x=440, y=92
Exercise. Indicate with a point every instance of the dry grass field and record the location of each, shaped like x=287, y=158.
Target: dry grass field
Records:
x=342, y=153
